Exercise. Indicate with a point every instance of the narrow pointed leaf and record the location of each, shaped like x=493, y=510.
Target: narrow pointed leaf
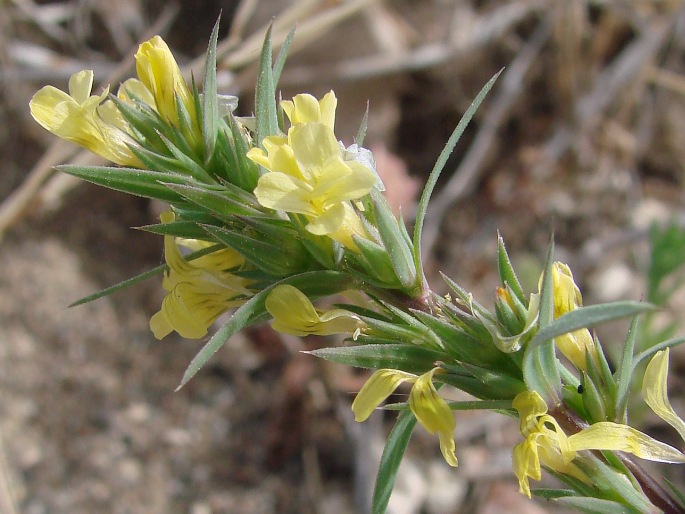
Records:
x=394, y=450
x=137, y=182
x=624, y=373
x=210, y=108
x=413, y=359
x=282, y=56
x=265, y=101
x=439, y=165
x=506, y=271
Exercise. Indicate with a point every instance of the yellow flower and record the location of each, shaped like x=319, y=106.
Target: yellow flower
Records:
x=199, y=291
x=75, y=117
x=431, y=411
x=294, y=314
x=546, y=443
x=574, y=345
x=306, y=109
x=308, y=175
x=158, y=71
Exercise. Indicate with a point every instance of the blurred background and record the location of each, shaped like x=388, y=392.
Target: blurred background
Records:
x=582, y=136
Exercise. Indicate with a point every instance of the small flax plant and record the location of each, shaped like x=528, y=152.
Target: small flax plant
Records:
x=271, y=213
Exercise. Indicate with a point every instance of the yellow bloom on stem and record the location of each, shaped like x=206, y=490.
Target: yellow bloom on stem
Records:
x=158, y=71
x=574, y=345
x=199, y=291
x=306, y=109
x=311, y=173
x=75, y=117
x=294, y=314
x=431, y=411
x=546, y=443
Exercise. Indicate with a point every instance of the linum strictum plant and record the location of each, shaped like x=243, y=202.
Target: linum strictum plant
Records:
x=271, y=213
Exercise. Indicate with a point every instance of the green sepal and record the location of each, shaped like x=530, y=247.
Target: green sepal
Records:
x=574, y=400
x=405, y=357
x=145, y=183
x=624, y=373
x=313, y=284
x=376, y=261
x=246, y=172
x=540, y=365
x=399, y=253
x=506, y=271
x=279, y=259
x=265, y=95
x=395, y=447
x=593, y=400
x=210, y=107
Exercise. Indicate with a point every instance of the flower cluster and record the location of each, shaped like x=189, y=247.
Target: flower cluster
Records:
x=308, y=172
x=266, y=219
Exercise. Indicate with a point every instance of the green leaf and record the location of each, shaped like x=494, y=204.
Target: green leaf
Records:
x=265, y=96
x=595, y=505
x=675, y=341
x=624, y=373
x=585, y=317
x=185, y=229
x=506, y=271
x=137, y=182
x=361, y=133
x=210, y=108
x=274, y=259
x=437, y=170
x=313, y=284
x=139, y=278
x=220, y=202
x=398, y=251
x=540, y=367
x=413, y=359
x=188, y=163
x=391, y=459
x=282, y=56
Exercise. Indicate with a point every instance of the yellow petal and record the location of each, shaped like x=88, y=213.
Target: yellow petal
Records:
x=529, y=405
x=328, y=222
x=294, y=314
x=429, y=407
x=448, y=448
x=655, y=391
x=80, y=85
x=283, y=192
x=158, y=70
x=616, y=437
x=313, y=144
x=376, y=389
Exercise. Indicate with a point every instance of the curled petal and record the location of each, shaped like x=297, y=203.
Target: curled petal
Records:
x=295, y=314
x=376, y=389
x=616, y=437
x=655, y=391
